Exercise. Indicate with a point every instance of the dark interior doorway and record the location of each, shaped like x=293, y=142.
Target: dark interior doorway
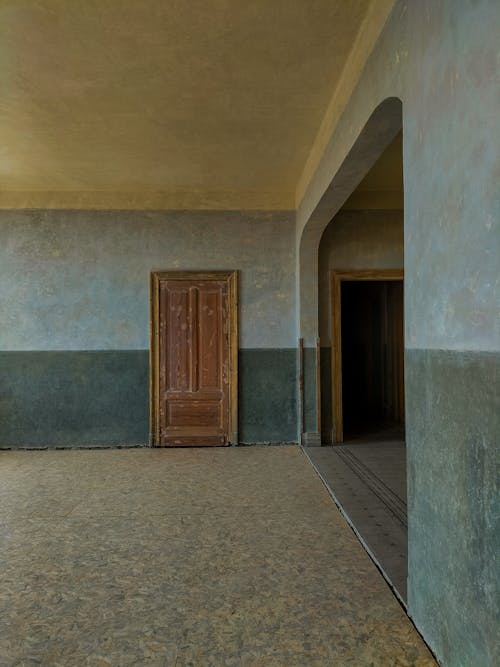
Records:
x=372, y=356
x=367, y=352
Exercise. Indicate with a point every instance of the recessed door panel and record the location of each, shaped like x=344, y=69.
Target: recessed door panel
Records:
x=194, y=413
x=211, y=315
x=176, y=337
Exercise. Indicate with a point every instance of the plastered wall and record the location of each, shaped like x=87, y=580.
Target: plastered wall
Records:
x=440, y=58
x=79, y=280
x=74, y=309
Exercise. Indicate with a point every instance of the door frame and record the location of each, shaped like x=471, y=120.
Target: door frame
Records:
x=336, y=278
x=231, y=277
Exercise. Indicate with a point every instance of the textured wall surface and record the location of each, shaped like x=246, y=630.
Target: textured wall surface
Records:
x=101, y=397
x=75, y=309
x=440, y=57
x=267, y=395
x=79, y=280
x=74, y=398
x=453, y=432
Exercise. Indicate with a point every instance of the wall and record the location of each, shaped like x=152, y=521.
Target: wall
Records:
x=370, y=239
x=75, y=319
x=440, y=57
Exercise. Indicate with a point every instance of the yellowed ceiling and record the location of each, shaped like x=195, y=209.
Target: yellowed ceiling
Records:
x=199, y=104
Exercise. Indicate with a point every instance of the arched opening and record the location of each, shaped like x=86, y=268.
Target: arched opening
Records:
x=380, y=129
x=360, y=274
x=361, y=318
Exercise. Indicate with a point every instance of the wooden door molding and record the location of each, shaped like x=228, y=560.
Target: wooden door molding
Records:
x=231, y=278
x=336, y=278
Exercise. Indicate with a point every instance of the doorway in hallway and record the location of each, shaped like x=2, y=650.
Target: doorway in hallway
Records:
x=368, y=352
x=366, y=474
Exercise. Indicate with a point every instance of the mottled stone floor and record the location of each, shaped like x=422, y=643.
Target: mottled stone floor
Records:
x=207, y=557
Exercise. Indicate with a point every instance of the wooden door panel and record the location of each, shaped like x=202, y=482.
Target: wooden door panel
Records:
x=194, y=413
x=211, y=314
x=176, y=339
x=194, y=358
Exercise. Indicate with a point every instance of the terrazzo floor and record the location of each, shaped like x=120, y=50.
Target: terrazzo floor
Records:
x=368, y=479
x=202, y=557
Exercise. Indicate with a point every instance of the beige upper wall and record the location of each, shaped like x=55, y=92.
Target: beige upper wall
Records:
x=167, y=104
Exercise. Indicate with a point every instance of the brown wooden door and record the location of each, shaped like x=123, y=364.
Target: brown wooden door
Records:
x=195, y=360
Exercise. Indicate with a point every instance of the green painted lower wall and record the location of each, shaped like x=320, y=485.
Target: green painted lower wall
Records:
x=268, y=395
x=310, y=398
x=74, y=398
x=453, y=433
x=91, y=398
x=310, y=414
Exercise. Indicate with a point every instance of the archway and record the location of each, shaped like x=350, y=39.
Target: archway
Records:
x=380, y=129
x=365, y=277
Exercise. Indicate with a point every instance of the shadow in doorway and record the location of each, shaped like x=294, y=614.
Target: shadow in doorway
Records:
x=372, y=357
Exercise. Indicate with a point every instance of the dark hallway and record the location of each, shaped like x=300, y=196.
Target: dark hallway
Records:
x=372, y=357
